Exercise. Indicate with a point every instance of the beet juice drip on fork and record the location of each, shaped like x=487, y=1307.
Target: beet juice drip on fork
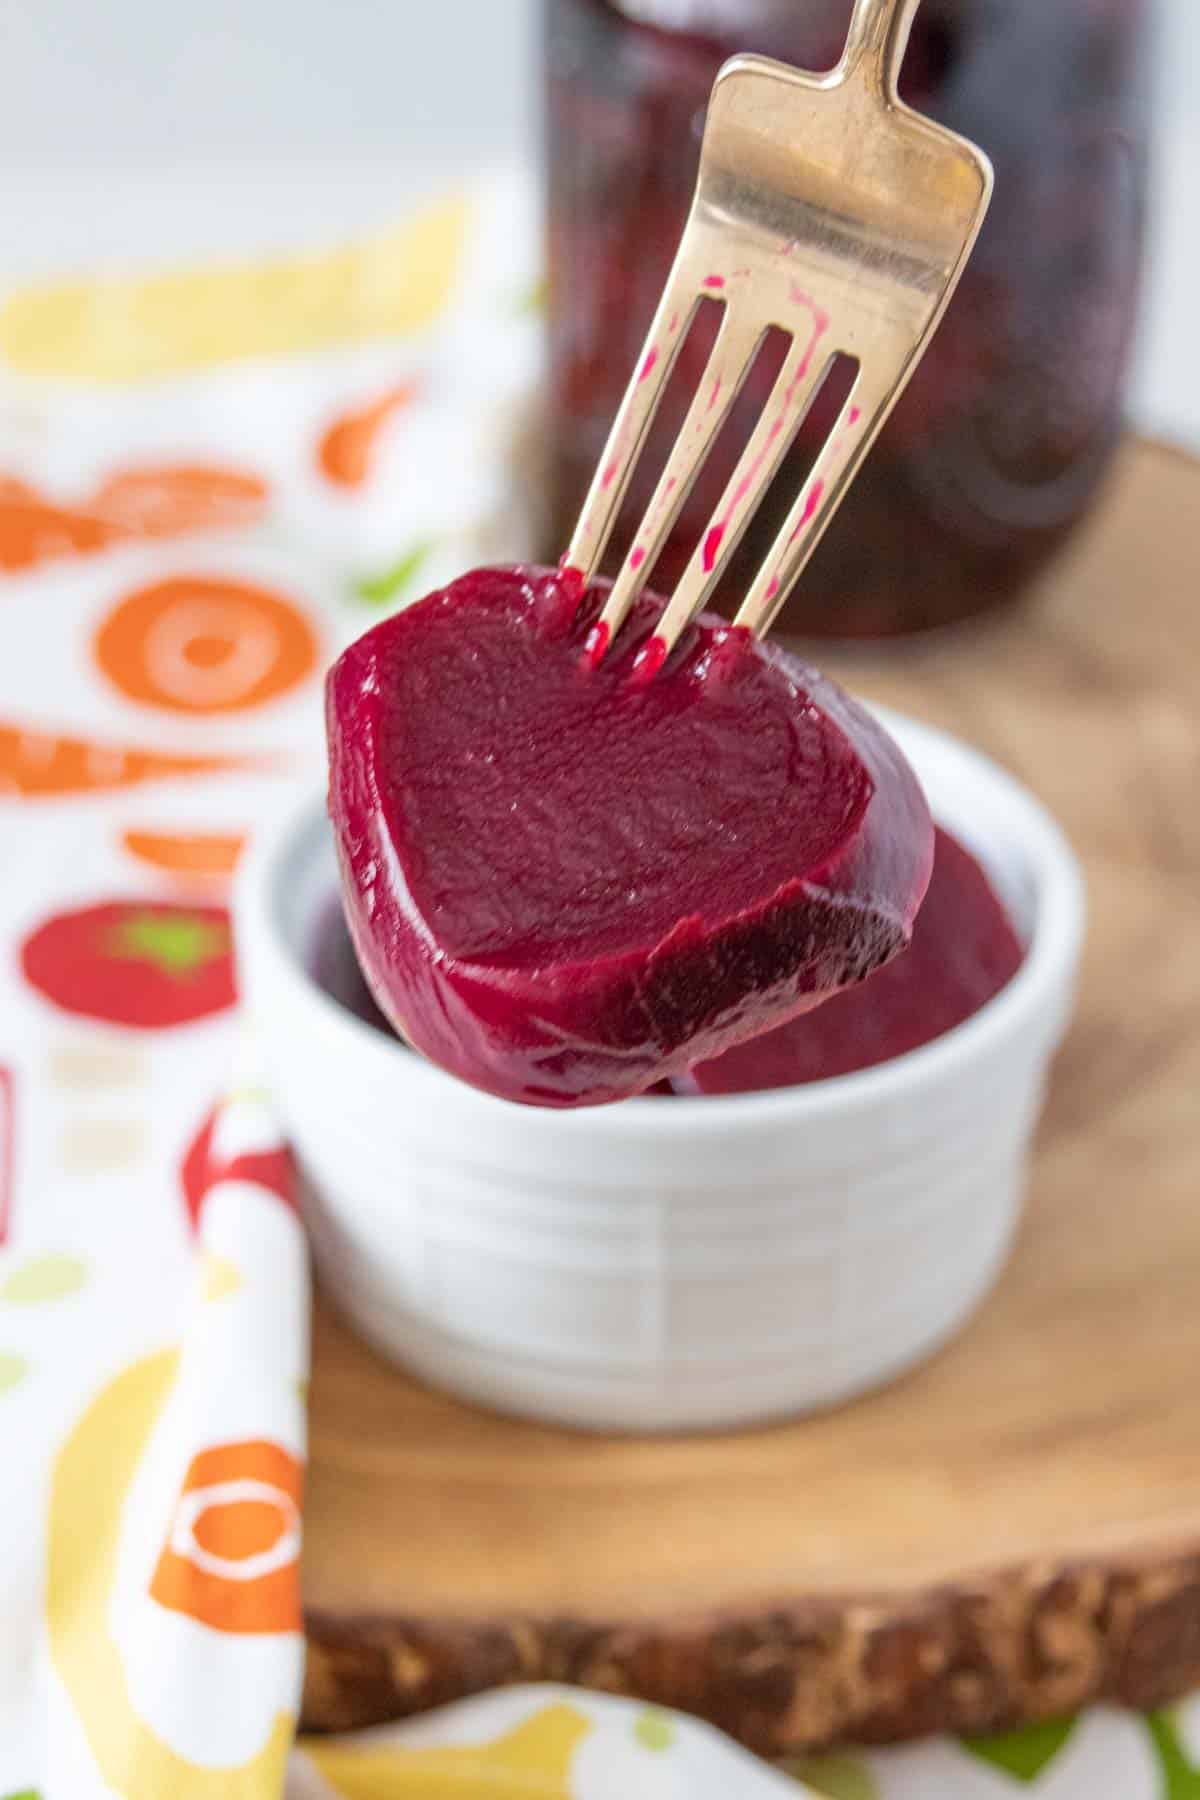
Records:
x=996, y=450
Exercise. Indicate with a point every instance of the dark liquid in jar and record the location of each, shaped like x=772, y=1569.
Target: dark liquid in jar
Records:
x=997, y=449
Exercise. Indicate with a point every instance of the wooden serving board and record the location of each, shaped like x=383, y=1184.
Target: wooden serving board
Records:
x=1006, y=1534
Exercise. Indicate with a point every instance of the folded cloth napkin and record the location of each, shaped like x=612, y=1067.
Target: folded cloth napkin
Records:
x=209, y=481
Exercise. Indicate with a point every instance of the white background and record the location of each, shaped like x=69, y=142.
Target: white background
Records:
x=156, y=127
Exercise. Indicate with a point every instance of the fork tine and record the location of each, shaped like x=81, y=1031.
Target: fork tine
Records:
x=858, y=424
x=797, y=382
x=724, y=374
x=832, y=179
x=634, y=418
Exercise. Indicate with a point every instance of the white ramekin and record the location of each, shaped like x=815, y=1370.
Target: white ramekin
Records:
x=668, y=1263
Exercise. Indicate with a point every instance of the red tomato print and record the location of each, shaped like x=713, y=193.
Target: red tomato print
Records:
x=147, y=964
x=203, y=1168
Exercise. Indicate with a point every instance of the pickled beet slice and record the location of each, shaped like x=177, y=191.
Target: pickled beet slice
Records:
x=564, y=883
x=964, y=950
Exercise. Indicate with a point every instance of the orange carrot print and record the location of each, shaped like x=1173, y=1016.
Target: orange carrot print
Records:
x=231, y=1559
x=204, y=855
x=205, y=644
x=34, y=530
x=346, y=450
x=12, y=487
x=172, y=499
x=154, y=502
x=37, y=765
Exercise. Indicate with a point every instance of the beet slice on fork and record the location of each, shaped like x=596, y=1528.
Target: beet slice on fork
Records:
x=564, y=882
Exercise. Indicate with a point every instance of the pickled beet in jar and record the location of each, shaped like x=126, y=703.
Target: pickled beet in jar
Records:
x=998, y=447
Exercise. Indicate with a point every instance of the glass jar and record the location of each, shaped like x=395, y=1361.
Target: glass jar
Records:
x=997, y=448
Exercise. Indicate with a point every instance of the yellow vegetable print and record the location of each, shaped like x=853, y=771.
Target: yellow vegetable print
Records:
x=131, y=327
x=91, y=1480
x=532, y=1762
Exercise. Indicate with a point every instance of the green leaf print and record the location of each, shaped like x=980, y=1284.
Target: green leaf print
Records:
x=532, y=301
x=25, y=1794
x=654, y=1730
x=1180, y=1777
x=1023, y=1753
x=389, y=584
x=13, y=1370
x=834, y=1777
x=178, y=945
x=50, y=1277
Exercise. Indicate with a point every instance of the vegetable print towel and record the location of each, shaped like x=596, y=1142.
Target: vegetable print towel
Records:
x=209, y=480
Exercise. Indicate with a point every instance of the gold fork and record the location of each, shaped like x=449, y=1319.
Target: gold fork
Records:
x=828, y=208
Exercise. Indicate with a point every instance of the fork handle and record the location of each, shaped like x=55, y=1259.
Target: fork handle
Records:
x=876, y=42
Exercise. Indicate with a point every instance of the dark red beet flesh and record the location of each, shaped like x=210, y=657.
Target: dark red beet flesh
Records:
x=563, y=884
x=963, y=951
